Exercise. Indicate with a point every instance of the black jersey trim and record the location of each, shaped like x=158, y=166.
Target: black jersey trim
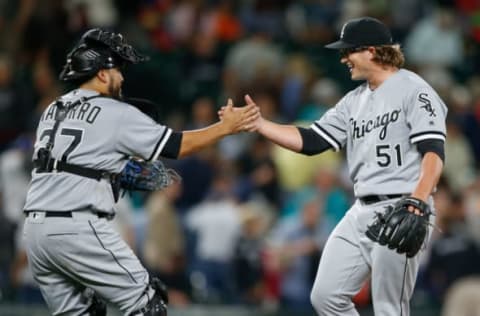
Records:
x=312, y=143
x=427, y=135
x=432, y=145
x=327, y=136
x=160, y=144
x=172, y=146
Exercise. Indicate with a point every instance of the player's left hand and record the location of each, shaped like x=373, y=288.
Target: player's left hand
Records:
x=414, y=209
x=400, y=227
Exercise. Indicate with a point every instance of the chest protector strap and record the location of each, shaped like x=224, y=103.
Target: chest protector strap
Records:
x=45, y=163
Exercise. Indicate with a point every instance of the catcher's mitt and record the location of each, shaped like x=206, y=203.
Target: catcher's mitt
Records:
x=400, y=229
x=140, y=175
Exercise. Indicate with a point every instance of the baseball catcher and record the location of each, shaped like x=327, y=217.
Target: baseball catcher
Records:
x=400, y=228
x=82, y=161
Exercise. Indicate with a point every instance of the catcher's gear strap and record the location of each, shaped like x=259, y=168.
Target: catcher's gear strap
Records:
x=61, y=114
x=432, y=145
x=312, y=144
x=172, y=147
x=58, y=165
x=45, y=162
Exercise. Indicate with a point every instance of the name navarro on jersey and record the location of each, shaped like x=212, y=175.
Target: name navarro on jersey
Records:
x=380, y=121
x=84, y=111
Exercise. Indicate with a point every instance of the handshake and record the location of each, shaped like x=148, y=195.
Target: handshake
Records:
x=240, y=119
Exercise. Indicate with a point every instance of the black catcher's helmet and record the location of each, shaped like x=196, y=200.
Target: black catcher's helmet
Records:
x=98, y=49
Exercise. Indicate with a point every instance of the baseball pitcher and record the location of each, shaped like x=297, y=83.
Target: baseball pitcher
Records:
x=392, y=128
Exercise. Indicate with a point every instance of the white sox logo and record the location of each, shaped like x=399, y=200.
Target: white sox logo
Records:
x=427, y=105
x=380, y=121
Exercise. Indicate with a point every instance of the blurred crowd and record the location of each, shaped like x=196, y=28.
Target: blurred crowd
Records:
x=248, y=222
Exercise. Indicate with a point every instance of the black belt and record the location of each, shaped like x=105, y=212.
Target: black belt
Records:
x=66, y=213
x=51, y=214
x=371, y=199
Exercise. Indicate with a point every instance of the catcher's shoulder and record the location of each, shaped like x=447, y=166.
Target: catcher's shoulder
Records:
x=112, y=101
x=116, y=104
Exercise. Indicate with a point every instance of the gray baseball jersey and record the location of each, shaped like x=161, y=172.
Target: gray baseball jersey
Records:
x=79, y=249
x=101, y=134
x=379, y=130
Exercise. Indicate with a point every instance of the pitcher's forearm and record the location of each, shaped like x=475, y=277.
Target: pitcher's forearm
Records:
x=286, y=136
x=431, y=170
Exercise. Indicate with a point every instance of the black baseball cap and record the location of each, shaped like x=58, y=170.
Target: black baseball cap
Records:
x=364, y=31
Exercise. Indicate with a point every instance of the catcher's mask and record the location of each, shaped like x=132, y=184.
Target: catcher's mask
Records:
x=98, y=49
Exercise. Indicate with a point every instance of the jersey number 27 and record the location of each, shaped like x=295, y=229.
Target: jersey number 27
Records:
x=77, y=135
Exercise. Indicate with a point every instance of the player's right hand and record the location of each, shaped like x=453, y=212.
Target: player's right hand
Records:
x=251, y=123
x=238, y=119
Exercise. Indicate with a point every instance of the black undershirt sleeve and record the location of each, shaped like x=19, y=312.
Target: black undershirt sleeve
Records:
x=172, y=147
x=432, y=145
x=312, y=142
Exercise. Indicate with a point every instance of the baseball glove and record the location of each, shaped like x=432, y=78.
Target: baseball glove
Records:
x=140, y=175
x=400, y=229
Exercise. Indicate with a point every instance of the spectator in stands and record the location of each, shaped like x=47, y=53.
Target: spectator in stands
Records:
x=247, y=262
x=460, y=168
x=297, y=243
x=164, y=245
x=436, y=40
x=462, y=298
x=454, y=253
x=216, y=224
x=255, y=62
x=14, y=111
x=258, y=175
